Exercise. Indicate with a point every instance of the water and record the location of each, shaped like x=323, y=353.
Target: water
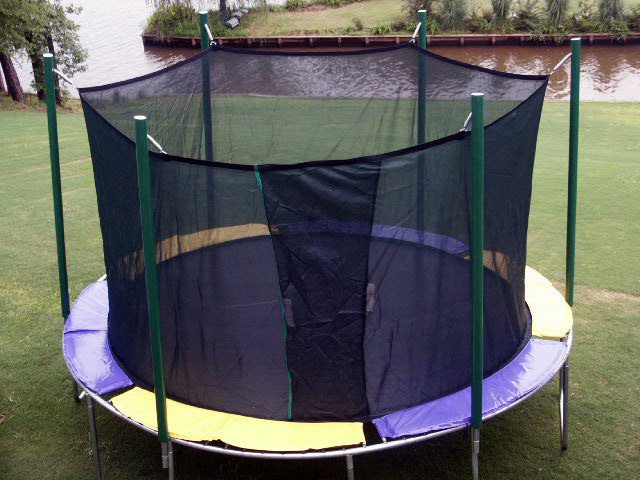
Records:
x=609, y=73
x=110, y=31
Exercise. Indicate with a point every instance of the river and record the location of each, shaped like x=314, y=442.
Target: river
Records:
x=110, y=31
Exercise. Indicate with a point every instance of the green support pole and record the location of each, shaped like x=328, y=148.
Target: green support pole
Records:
x=422, y=39
x=422, y=78
x=422, y=117
x=574, y=124
x=206, y=88
x=151, y=274
x=477, y=253
x=477, y=272
x=54, y=155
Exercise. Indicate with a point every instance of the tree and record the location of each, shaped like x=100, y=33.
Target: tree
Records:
x=54, y=33
x=11, y=77
x=36, y=27
x=14, y=15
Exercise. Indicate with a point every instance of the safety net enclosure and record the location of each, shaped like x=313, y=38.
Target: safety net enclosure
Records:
x=312, y=221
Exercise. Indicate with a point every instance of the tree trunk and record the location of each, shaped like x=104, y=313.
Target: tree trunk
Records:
x=11, y=77
x=38, y=74
x=223, y=6
x=52, y=50
x=3, y=86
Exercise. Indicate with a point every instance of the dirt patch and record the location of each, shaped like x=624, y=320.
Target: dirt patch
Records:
x=310, y=8
x=607, y=296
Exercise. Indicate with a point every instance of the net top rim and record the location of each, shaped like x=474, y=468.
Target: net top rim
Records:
x=355, y=52
x=460, y=135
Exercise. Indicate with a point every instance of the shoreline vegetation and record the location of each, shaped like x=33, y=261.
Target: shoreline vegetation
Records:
x=535, y=18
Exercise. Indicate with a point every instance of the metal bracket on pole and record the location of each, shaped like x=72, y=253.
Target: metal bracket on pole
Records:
x=64, y=77
x=467, y=122
x=208, y=30
x=156, y=144
x=415, y=32
x=560, y=63
x=93, y=434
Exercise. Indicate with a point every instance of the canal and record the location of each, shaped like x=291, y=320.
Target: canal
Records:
x=110, y=31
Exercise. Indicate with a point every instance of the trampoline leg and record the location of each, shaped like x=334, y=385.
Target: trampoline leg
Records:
x=564, y=405
x=93, y=434
x=475, y=451
x=76, y=391
x=350, y=472
x=167, y=458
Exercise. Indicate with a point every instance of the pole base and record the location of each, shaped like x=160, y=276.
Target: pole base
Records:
x=350, y=471
x=167, y=458
x=475, y=451
x=564, y=405
x=93, y=434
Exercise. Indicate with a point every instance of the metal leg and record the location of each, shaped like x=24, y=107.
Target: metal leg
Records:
x=350, y=472
x=564, y=405
x=167, y=458
x=93, y=434
x=76, y=391
x=475, y=450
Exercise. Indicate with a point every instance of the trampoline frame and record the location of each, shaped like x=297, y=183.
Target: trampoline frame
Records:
x=347, y=452
x=476, y=387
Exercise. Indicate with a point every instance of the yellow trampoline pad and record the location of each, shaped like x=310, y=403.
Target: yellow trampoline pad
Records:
x=551, y=316
x=198, y=424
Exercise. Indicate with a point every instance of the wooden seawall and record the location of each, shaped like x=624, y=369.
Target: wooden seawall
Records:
x=361, y=41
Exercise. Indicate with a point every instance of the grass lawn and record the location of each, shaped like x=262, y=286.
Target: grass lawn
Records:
x=43, y=433
x=326, y=20
x=373, y=14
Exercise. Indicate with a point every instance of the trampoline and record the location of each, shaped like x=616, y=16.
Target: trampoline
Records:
x=322, y=254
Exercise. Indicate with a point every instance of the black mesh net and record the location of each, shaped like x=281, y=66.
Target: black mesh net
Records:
x=314, y=261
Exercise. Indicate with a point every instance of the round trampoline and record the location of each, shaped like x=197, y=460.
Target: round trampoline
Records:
x=322, y=254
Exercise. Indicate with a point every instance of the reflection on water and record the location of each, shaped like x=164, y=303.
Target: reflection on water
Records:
x=110, y=30
x=609, y=73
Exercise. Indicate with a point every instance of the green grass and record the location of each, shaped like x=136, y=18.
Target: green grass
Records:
x=328, y=20
x=43, y=433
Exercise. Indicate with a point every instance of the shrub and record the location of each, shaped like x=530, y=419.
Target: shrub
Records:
x=501, y=10
x=610, y=11
x=357, y=24
x=479, y=21
x=585, y=18
x=633, y=19
x=557, y=12
x=452, y=14
x=175, y=19
x=381, y=29
x=528, y=17
x=335, y=3
x=433, y=26
x=618, y=30
x=294, y=4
